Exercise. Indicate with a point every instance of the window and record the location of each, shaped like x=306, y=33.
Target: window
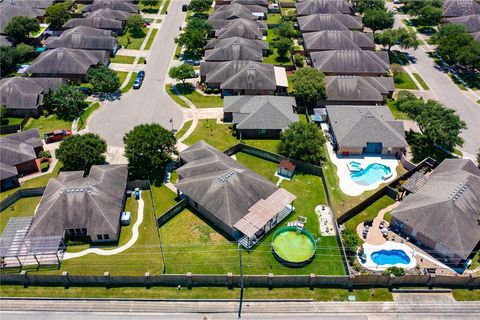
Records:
x=78, y=232
x=71, y=231
x=84, y=231
x=262, y=131
x=106, y=236
x=99, y=237
x=195, y=205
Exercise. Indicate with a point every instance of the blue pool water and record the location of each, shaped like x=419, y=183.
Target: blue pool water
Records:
x=355, y=165
x=390, y=257
x=371, y=174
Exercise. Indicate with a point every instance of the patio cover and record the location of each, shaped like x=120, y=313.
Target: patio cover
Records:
x=263, y=211
x=280, y=77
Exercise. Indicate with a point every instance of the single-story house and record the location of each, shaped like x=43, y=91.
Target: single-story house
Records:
x=471, y=22
x=23, y=95
x=24, y=8
x=236, y=51
x=262, y=3
x=78, y=207
x=19, y=153
x=240, y=28
x=321, y=22
x=351, y=62
x=355, y=90
x=260, y=11
x=256, y=117
x=125, y=5
x=238, y=201
x=443, y=215
x=338, y=40
x=72, y=64
x=96, y=21
x=109, y=14
x=217, y=43
x=244, y=77
x=85, y=38
x=306, y=8
x=365, y=129
x=234, y=11
x=219, y=25
x=458, y=8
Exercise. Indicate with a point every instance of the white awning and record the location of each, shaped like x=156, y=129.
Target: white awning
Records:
x=281, y=77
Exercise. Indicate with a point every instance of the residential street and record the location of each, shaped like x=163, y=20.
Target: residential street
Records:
x=150, y=103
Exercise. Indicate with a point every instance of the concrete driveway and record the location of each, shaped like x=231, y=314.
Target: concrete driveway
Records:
x=149, y=104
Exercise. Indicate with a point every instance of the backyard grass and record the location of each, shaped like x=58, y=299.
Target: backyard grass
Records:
x=369, y=213
x=404, y=81
x=397, y=114
x=48, y=124
x=265, y=144
x=421, y=81
x=264, y=168
x=150, y=39
x=165, y=7
x=199, y=100
x=217, y=135
x=130, y=83
x=128, y=41
x=122, y=59
x=273, y=18
x=12, y=120
x=287, y=11
x=82, y=122
x=319, y=294
x=184, y=129
x=24, y=207
x=273, y=58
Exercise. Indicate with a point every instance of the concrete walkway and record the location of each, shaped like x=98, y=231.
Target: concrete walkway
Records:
x=126, y=246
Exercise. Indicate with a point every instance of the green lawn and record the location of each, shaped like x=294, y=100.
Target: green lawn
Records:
x=150, y=39
x=199, y=100
x=13, y=120
x=369, y=213
x=319, y=294
x=165, y=7
x=184, y=129
x=287, y=11
x=24, y=207
x=268, y=145
x=403, y=81
x=130, y=82
x=407, y=23
x=175, y=97
x=122, y=59
x=466, y=295
x=149, y=9
x=421, y=81
x=273, y=18
x=48, y=124
x=273, y=58
x=264, y=168
x=82, y=122
x=218, y=135
x=128, y=41
x=122, y=76
x=397, y=114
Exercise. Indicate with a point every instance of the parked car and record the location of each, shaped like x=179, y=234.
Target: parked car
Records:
x=137, y=83
x=192, y=62
x=394, y=11
x=86, y=90
x=185, y=8
x=147, y=22
x=141, y=75
x=56, y=135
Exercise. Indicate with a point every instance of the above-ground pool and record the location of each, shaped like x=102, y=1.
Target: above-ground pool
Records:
x=390, y=257
x=371, y=174
x=293, y=248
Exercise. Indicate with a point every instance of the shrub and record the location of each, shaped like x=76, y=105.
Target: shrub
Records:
x=396, y=271
x=44, y=154
x=299, y=60
x=44, y=166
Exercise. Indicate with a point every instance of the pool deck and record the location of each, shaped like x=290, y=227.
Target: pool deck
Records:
x=374, y=235
x=389, y=245
x=350, y=187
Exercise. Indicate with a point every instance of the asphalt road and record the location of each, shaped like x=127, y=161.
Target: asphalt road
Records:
x=149, y=104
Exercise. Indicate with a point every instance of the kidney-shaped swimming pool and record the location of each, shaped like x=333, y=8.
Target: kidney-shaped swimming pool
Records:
x=391, y=257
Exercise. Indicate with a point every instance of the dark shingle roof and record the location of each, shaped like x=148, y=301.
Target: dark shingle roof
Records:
x=261, y=112
x=20, y=8
x=223, y=43
x=263, y=3
x=230, y=12
x=321, y=22
x=240, y=28
x=354, y=126
x=220, y=24
x=235, y=51
x=446, y=208
x=228, y=200
x=122, y=5
x=17, y=148
x=109, y=14
x=252, y=7
x=476, y=35
x=338, y=40
x=357, y=89
x=5, y=42
x=25, y=93
x=457, y=8
x=471, y=22
x=64, y=61
x=72, y=201
x=82, y=37
x=323, y=6
x=351, y=62
x=95, y=21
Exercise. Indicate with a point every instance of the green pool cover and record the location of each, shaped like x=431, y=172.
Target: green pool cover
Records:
x=292, y=246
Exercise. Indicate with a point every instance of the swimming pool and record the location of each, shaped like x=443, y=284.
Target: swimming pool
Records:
x=390, y=257
x=373, y=173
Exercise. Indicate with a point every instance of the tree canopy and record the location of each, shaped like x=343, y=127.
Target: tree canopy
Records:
x=283, y=46
x=66, y=101
x=182, y=72
x=3, y=114
x=396, y=271
x=194, y=37
x=20, y=27
x=378, y=19
x=285, y=30
x=103, y=79
x=135, y=25
x=150, y=3
x=364, y=5
x=11, y=56
x=200, y=5
x=58, y=14
x=309, y=85
x=430, y=15
x=303, y=141
x=402, y=37
x=148, y=148
x=82, y=151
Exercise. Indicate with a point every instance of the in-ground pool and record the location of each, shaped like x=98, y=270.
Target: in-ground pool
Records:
x=293, y=248
x=391, y=257
x=373, y=173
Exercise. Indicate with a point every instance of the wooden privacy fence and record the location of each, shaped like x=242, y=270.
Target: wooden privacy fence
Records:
x=233, y=281
x=22, y=193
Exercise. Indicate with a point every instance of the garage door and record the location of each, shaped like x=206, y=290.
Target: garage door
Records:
x=373, y=147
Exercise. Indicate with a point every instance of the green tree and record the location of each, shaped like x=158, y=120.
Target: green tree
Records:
x=67, y=102
x=283, y=46
x=402, y=37
x=182, y=72
x=454, y=44
x=81, y=152
x=378, y=19
x=3, y=115
x=309, y=85
x=285, y=30
x=20, y=27
x=194, y=40
x=430, y=15
x=11, y=56
x=57, y=15
x=150, y=3
x=351, y=242
x=148, y=148
x=364, y=5
x=470, y=56
x=396, y=271
x=200, y=5
x=303, y=141
x=414, y=7
x=135, y=25
x=299, y=60
x=103, y=79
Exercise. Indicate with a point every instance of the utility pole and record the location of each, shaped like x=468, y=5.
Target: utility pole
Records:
x=241, y=282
